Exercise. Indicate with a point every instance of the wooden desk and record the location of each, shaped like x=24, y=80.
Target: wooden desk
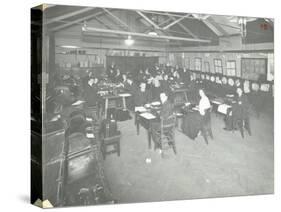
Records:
x=121, y=96
x=146, y=123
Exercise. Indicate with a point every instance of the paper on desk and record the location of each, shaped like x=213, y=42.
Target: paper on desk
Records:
x=89, y=119
x=196, y=108
x=140, y=109
x=125, y=94
x=90, y=135
x=148, y=116
x=216, y=102
x=223, y=108
x=155, y=103
x=187, y=104
x=78, y=102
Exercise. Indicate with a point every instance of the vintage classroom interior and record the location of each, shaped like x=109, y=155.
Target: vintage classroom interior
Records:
x=144, y=106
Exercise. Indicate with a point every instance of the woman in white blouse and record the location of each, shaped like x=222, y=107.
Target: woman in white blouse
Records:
x=204, y=102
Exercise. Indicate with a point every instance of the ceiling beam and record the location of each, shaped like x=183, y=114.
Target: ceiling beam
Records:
x=102, y=23
x=166, y=14
x=116, y=18
x=68, y=15
x=212, y=27
x=183, y=27
x=93, y=29
x=175, y=22
x=218, y=26
x=76, y=21
x=148, y=20
x=165, y=21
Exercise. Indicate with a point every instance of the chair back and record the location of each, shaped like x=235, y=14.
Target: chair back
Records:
x=77, y=142
x=77, y=112
x=169, y=123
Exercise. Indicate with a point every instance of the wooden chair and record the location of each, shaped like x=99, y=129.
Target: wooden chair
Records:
x=206, y=127
x=164, y=138
x=93, y=112
x=113, y=141
x=76, y=124
x=241, y=124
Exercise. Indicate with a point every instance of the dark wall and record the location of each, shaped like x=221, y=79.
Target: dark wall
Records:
x=131, y=64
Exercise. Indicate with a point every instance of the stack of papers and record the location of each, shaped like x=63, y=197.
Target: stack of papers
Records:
x=140, y=109
x=147, y=116
x=78, y=102
x=196, y=108
x=216, y=102
x=155, y=103
x=125, y=94
x=89, y=119
x=223, y=108
x=90, y=135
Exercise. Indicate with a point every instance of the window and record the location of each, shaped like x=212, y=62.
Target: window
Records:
x=207, y=67
x=198, y=64
x=231, y=68
x=254, y=68
x=218, y=66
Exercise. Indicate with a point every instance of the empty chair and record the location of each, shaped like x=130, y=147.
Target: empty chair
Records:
x=113, y=142
x=93, y=112
x=76, y=124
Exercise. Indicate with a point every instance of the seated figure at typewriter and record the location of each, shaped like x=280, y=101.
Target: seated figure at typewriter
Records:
x=165, y=112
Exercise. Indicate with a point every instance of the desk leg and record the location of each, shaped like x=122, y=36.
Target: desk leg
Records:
x=137, y=124
x=185, y=95
x=149, y=137
x=124, y=103
x=106, y=107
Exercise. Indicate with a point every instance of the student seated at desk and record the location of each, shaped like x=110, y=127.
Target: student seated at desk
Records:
x=130, y=86
x=142, y=96
x=165, y=112
x=156, y=89
x=193, y=122
x=239, y=114
x=165, y=86
x=118, y=77
x=90, y=92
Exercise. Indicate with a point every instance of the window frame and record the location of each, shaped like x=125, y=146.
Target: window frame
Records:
x=195, y=63
x=216, y=66
x=235, y=68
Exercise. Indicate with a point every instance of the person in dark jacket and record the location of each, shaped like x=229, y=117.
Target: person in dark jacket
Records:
x=165, y=112
x=90, y=93
x=241, y=112
x=142, y=96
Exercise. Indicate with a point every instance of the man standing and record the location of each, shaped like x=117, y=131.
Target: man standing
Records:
x=240, y=112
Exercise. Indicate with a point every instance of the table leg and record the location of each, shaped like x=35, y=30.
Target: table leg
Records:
x=137, y=123
x=185, y=95
x=149, y=137
x=124, y=103
x=106, y=107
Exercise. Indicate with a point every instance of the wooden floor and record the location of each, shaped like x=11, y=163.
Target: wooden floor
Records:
x=228, y=166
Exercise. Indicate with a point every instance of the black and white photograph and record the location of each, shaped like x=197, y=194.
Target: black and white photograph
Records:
x=138, y=105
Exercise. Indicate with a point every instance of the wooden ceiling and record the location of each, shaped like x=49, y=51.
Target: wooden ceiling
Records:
x=173, y=29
